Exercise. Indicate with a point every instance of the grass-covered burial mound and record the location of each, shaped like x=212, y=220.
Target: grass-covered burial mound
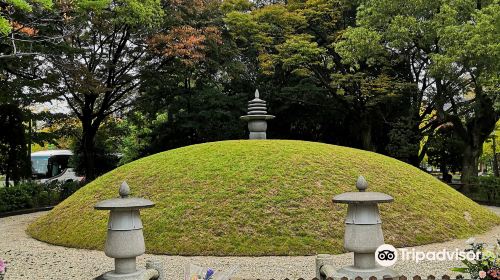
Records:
x=259, y=197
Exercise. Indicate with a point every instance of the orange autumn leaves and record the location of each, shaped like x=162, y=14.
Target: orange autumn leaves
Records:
x=183, y=41
x=186, y=43
x=23, y=29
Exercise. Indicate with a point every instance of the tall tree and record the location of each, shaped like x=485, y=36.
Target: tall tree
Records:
x=198, y=83
x=427, y=37
x=20, y=22
x=292, y=47
x=25, y=33
x=401, y=35
x=471, y=55
x=445, y=151
x=13, y=156
x=99, y=62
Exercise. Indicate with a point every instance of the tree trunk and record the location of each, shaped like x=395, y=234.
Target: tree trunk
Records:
x=469, y=163
x=88, y=151
x=416, y=156
x=30, y=133
x=444, y=171
x=366, y=136
x=474, y=132
x=496, y=172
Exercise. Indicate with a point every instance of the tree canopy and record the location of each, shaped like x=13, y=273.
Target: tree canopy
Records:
x=408, y=79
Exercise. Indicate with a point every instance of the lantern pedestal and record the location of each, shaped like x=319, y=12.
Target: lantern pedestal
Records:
x=363, y=232
x=112, y=275
x=257, y=125
x=125, y=240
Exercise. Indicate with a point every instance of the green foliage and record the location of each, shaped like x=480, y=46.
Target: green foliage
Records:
x=139, y=12
x=448, y=50
x=4, y=26
x=472, y=44
x=129, y=12
x=13, y=153
x=22, y=6
x=104, y=51
x=445, y=150
x=236, y=5
x=200, y=86
x=271, y=33
x=16, y=197
x=487, y=156
x=94, y=5
x=29, y=195
x=299, y=50
x=129, y=138
x=135, y=139
x=243, y=28
x=291, y=52
x=360, y=44
x=255, y=198
x=486, y=189
x=377, y=74
x=203, y=115
x=322, y=15
x=106, y=152
x=403, y=141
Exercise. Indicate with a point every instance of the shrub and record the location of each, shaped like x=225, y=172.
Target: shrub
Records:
x=28, y=195
x=488, y=188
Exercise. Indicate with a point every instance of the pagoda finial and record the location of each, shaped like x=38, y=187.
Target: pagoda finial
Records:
x=257, y=95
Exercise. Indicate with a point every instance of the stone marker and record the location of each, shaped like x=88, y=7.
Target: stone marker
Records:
x=257, y=117
x=125, y=240
x=363, y=235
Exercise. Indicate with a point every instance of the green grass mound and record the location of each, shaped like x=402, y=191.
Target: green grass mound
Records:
x=263, y=198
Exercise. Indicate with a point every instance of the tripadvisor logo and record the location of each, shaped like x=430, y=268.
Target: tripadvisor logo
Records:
x=387, y=255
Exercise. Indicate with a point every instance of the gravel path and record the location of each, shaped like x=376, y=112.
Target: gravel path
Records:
x=31, y=259
x=494, y=209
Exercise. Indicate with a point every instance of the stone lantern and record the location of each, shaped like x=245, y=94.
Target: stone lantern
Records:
x=363, y=231
x=257, y=117
x=125, y=239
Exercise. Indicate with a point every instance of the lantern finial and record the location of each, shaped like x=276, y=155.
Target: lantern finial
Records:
x=124, y=190
x=361, y=184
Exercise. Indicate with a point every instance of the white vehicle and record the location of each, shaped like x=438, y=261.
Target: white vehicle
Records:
x=52, y=165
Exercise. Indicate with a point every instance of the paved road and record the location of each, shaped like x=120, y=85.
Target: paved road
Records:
x=31, y=259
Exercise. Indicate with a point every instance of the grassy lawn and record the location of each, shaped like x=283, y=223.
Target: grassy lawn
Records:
x=264, y=198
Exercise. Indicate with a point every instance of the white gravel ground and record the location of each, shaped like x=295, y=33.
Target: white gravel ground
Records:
x=31, y=259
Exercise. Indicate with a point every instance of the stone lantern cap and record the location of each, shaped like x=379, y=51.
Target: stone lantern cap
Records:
x=362, y=197
x=124, y=202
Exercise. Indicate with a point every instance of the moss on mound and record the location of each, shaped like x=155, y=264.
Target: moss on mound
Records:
x=263, y=198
